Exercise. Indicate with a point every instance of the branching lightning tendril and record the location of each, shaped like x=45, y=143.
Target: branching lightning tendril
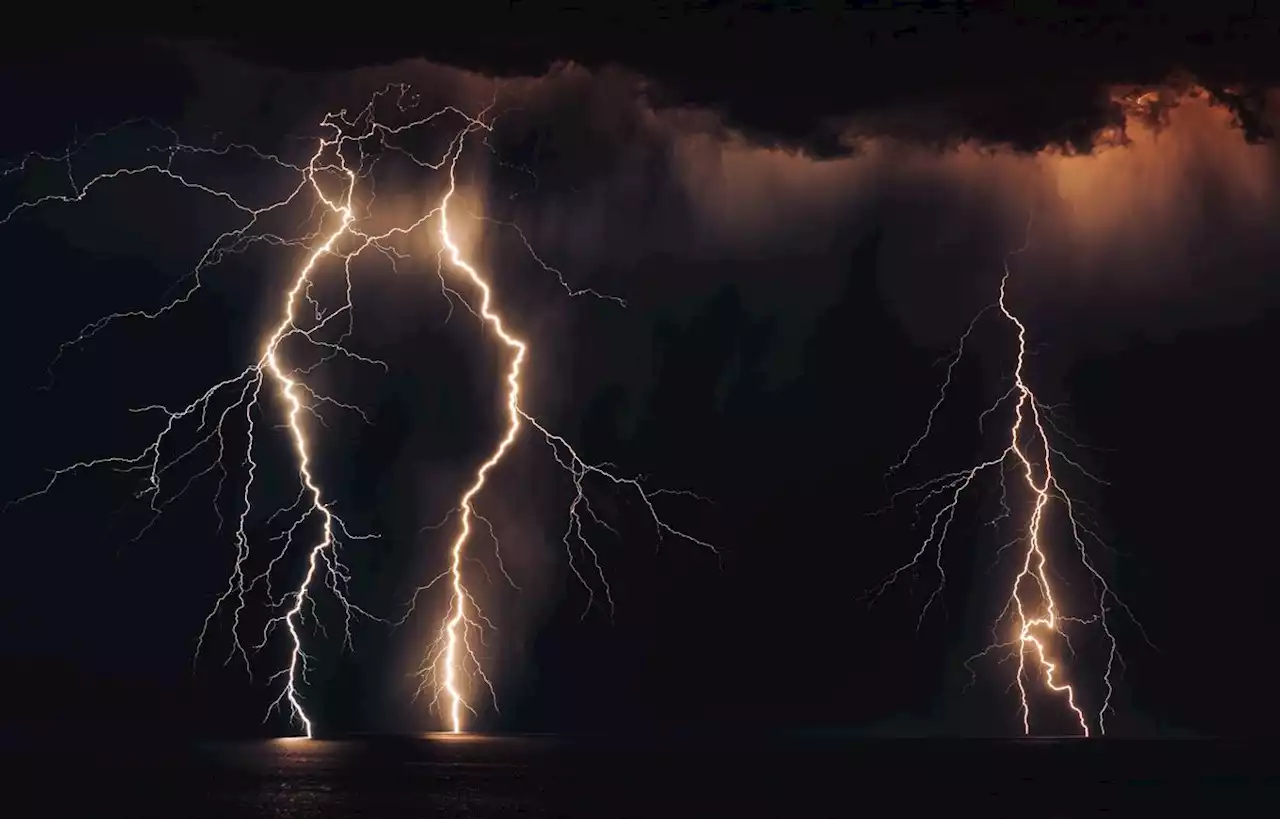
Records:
x=340, y=212
x=1035, y=627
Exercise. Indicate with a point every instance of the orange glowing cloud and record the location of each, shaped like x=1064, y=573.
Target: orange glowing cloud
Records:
x=1164, y=220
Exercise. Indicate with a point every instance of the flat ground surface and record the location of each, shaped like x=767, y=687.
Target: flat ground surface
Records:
x=429, y=776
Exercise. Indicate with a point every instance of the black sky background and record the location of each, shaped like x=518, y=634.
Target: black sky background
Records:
x=793, y=459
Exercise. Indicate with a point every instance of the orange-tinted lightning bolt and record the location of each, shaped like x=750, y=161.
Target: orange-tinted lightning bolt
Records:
x=452, y=656
x=340, y=212
x=1032, y=618
x=458, y=619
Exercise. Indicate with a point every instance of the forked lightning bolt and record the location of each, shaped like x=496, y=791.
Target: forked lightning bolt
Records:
x=341, y=213
x=1032, y=626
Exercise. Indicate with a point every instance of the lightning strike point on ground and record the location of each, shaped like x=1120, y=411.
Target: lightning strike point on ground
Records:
x=1033, y=626
x=334, y=189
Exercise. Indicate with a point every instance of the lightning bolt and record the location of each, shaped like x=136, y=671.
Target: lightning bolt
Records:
x=1034, y=627
x=452, y=656
x=329, y=185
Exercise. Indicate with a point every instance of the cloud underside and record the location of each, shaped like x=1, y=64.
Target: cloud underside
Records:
x=1157, y=204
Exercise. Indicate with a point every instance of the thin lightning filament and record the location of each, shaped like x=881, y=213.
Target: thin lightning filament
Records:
x=334, y=193
x=1032, y=616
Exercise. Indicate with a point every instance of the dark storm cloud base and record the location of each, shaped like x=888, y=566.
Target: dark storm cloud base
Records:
x=1026, y=79
x=781, y=72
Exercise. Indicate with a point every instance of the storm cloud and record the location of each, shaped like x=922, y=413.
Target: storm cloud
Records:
x=1152, y=199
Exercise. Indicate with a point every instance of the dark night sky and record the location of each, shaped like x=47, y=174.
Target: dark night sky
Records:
x=778, y=371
